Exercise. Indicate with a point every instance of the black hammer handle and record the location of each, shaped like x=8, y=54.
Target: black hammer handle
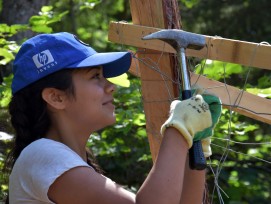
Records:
x=196, y=157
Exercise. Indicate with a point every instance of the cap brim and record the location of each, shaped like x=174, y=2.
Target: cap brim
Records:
x=114, y=63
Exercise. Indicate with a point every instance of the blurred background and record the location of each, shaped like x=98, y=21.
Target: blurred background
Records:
x=123, y=150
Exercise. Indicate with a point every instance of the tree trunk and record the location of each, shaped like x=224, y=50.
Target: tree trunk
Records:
x=19, y=12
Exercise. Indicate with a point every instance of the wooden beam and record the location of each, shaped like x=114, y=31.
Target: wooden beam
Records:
x=156, y=101
x=250, y=105
x=217, y=48
x=239, y=101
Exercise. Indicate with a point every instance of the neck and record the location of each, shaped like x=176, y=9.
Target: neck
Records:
x=74, y=139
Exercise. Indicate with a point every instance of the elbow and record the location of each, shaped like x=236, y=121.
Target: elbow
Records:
x=151, y=198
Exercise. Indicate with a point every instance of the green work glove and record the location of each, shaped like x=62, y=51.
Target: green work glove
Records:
x=189, y=117
x=215, y=107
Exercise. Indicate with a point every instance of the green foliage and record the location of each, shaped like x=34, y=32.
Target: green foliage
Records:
x=41, y=23
x=122, y=150
x=243, y=172
x=8, y=31
x=265, y=93
x=238, y=138
x=8, y=48
x=190, y=3
x=239, y=143
x=5, y=92
x=90, y=20
x=121, y=80
x=218, y=70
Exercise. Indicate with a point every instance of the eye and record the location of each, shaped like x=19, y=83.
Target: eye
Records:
x=97, y=75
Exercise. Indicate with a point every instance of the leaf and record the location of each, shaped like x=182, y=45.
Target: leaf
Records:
x=190, y=3
x=8, y=56
x=250, y=127
x=4, y=28
x=57, y=17
x=144, y=157
x=121, y=80
x=13, y=29
x=260, y=92
x=139, y=120
x=90, y=4
x=46, y=8
x=264, y=81
x=218, y=70
x=141, y=133
x=42, y=29
x=5, y=91
x=37, y=20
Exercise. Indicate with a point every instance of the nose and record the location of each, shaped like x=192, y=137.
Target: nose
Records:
x=110, y=87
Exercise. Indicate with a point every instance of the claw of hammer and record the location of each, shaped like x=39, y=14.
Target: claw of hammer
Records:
x=179, y=38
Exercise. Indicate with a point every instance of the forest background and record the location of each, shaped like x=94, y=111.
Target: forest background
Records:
x=122, y=150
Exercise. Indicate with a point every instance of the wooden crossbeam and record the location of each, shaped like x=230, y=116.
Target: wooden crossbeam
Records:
x=217, y=48
x=250, y=105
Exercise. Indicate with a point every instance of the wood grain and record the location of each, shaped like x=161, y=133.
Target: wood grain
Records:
x=217, y=48
x=156, y=91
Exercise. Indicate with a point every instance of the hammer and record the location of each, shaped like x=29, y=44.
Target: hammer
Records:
x=180, y=40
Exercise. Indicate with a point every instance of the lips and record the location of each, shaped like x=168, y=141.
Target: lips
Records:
x=108, y=102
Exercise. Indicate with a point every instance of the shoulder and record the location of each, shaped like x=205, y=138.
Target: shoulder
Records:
x=43, y=155
x=43, y=149
x=90, y=187
x=40, y=164
x=44, y=145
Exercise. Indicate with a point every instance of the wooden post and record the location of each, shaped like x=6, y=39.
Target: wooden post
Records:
x=156, y=91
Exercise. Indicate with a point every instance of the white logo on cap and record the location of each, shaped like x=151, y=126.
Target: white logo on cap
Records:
x=43, y=58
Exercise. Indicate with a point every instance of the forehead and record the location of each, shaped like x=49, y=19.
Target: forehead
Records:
x=88, y=69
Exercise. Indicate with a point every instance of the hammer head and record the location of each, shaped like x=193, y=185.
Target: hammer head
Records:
x=178, y=38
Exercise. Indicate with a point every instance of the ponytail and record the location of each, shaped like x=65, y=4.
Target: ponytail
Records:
x=28, y=111
x=28, y=114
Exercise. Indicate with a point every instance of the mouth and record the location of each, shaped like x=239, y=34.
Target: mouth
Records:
x=109, y=102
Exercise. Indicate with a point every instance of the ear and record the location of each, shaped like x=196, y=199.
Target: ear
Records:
x=55, y=98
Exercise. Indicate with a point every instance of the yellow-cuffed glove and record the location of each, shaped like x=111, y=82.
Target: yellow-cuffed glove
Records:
x=188, y=117
x=206, y=147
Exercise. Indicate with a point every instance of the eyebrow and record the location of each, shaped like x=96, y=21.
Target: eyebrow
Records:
x=89, y=69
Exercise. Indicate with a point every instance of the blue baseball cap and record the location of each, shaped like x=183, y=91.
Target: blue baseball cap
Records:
x=45, y=54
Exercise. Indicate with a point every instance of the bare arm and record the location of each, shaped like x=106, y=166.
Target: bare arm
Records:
x=194, y=181
x=165, y=182
x=163, y=185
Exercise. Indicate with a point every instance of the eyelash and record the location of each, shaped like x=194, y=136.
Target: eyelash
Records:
x=96, y=76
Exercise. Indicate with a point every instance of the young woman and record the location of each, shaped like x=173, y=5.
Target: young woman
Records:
x=61, y=96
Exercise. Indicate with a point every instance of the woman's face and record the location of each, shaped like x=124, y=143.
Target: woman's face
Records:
x=92, y=106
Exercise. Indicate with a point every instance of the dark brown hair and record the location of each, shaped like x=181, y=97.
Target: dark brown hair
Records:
x=29, y=116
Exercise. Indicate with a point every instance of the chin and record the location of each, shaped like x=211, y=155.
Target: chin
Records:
x=108, y=124
x=111, y=120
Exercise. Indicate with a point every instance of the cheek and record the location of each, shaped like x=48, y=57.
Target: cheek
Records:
x=83, y=112
x=89, y=101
